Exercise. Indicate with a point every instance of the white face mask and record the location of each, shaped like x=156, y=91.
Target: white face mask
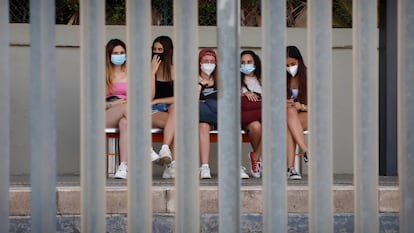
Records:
x=207, y=68
x=292, y=70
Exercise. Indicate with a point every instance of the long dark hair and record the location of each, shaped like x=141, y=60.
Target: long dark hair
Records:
x=168, y=47
x=257, y=72
x=293, y=52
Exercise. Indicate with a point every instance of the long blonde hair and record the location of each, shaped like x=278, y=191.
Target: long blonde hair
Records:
x=109, y=75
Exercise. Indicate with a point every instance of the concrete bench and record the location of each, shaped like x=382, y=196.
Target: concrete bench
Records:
x=112, y=147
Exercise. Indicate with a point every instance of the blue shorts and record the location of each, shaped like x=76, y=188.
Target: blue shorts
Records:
x=160, y=108
x=208, y=112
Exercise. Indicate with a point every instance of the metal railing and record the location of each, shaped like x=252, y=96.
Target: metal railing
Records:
x=43, y=152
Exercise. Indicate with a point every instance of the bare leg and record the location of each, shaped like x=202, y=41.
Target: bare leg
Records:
x=113, y=115
x=255, y=137
x=295, y=128
x=159, y=119
x=165, y=120
x=290, y=149
x=169, y=126
x=123, y=139
x=204, y=142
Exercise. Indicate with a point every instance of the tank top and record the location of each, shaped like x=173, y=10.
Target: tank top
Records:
x=119, y=89
x=208, y=92
x=164, y=89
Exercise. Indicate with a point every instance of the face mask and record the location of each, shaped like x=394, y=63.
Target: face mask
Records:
x=118, y=59
x=247, y=68
x=160, y=55
x=208, y=68
x=292, y=70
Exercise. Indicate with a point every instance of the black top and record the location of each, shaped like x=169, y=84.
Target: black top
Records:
x=164, y=89
x=208, y=92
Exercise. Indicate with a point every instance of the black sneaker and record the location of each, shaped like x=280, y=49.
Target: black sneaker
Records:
x=305, y=157
x=293, y=174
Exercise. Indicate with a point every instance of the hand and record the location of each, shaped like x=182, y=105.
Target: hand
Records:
x=292, y=104
x=155, y=64
x=119, y=102
x=251, y=96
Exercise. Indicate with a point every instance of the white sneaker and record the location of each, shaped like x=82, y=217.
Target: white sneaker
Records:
x=122, y=172
x=169, y=171
x=165, y=155
x=243, y=173
x=293, y=174
x=205, y=172
x=154, y=156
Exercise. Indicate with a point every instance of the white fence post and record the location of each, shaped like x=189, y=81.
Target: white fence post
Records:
x=274, y=117
x=229, y=145
x=320, y=115
x=43, y=115
x=4, y=115
x=92, y=63
x=186, y=110
x=406, y=113
x=365, y=86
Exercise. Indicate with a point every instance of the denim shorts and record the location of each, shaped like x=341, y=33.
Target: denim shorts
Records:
x=160, y=108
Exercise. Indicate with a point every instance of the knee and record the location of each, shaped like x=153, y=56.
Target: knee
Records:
x=255, y=126
x=171, y=109
x=123, y=124
x=204, y=127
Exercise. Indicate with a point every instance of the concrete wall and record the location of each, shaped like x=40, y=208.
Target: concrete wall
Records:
x=68, y=93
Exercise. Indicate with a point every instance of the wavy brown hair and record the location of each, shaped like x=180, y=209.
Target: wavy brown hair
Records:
x=109, y=76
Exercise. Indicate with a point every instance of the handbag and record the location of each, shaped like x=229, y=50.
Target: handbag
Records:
x=250, y=111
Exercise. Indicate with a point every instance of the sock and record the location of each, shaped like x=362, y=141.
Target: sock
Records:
x=204, y=165
x=165, y=145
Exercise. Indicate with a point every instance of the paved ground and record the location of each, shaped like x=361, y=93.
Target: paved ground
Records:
x=74, y=180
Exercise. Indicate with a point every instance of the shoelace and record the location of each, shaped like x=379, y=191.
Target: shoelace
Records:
x=255, y=165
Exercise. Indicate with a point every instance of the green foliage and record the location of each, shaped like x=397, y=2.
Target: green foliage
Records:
x=342, y=13
x=115, y=12
x=207, y=12
x=67, y=12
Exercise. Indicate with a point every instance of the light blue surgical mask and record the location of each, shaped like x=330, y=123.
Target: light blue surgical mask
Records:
x=118, y=59
x=247, y=68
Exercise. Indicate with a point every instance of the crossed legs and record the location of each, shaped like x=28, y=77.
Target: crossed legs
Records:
x=296, y=123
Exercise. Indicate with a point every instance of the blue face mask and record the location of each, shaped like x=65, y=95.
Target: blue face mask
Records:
x=247, y=68
x=118, y=59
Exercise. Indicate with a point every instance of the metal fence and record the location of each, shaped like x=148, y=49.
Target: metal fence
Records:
x=43, y=215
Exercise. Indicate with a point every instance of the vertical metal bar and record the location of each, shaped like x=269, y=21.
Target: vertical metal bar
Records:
x=43, y=115
x=365, y=86
x=139, y=164
x=274, y=130
x=229, y=145
x=92, y=62
x=186, y=78
x=4, y=115
x=405, y=113
x=320, y=115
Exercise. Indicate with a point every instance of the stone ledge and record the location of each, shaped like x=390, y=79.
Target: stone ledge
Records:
x=209, y=223
x=68, y=199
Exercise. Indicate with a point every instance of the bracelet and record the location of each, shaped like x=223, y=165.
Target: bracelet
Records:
x=110, y=104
